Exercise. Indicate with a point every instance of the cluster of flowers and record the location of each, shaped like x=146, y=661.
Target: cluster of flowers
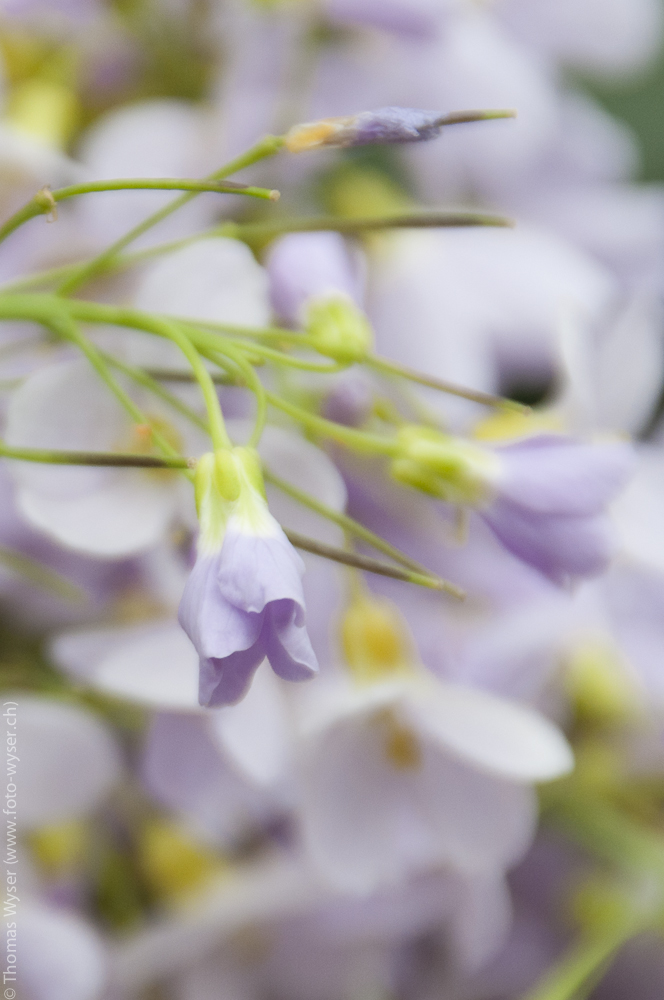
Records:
x=246, y=450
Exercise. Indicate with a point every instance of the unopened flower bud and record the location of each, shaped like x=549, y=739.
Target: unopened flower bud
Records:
x=339, y=328
x=385, y=125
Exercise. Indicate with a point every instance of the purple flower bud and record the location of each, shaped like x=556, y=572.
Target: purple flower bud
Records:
x=303, y=266
x=549, y=507
x=385, y=125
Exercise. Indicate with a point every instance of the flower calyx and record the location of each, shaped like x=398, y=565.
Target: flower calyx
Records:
x=446, y=467
x=228, y=482
x=338, y=329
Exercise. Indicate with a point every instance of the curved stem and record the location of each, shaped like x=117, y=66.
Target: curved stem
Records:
x=45, y=201
x=355, y=528
x=171, y=331
x=357, y=440
x=266, y=147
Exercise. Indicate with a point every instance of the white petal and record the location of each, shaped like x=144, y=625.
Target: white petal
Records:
x=482, y=823
x=158, y=138
x=183, y=768
x=496, y=735
x=255, y=733
x=127, y=514
x=214, y=279
x=159, y=669
x=60, y=957
x=68, y=761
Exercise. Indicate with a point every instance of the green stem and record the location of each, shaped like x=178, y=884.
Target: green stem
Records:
x=45, y=456
x=149, y=381
x=251, y=379
x=171, y=331
x=485, y=398
x=364, y=562
x=584, y=961
x=358, y=530
x=63, y=325
x=78, y=274
x=604, y=830
x=267, y=146
x=45, y=201
x=39, y=575
x=357, y=440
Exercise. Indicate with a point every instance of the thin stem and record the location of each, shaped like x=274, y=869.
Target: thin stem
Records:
x=410, y=220
x=251, y=379
x=45, y=201
x=267, y=146
x=365, y=563
x=47, y=456
x=39, y=575
x=75, y=275
x=357, y=440
x=485, y=398
x=460, y=117
x=171, y=331
x=290, y=362
x=63, y=325
x=354, y=528
x=583, y=962
x=149, y=381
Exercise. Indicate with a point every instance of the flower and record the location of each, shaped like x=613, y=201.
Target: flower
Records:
x=404, y=771
x=244, y=599
x=545, y=497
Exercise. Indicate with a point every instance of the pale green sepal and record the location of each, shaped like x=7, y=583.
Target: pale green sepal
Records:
x=445, y=467
x=226, y=476
x=339, y=329
x=213, y=508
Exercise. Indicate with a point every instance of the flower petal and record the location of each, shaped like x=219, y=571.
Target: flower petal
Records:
x=494, y=734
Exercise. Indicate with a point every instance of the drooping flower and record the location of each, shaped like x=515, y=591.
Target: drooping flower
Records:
x=545, y=497
x=243, y=601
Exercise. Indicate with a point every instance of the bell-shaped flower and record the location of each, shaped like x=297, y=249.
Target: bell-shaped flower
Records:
x=545, y=497
x=244, y=598
x=404, y=772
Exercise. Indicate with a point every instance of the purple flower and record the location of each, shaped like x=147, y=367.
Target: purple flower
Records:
x=545, y=497
x=550, y=502
x=243, y=601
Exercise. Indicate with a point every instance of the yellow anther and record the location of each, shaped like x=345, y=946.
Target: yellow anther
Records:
x=59, y=849
x=599, y=683
x=402, y=747
x=173, y=864
x=375, y=640
x=45, y=110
